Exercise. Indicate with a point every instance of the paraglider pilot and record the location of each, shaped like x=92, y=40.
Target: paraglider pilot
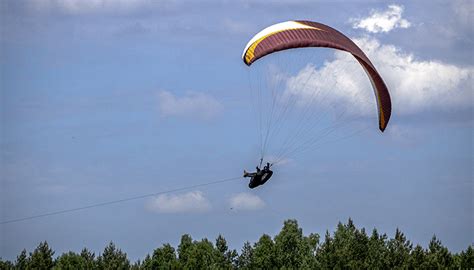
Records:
x=260, y=176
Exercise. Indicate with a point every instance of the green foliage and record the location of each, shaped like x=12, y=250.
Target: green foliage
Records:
x=22, y=260
x=7, y=265
x=246, y=257
x=293, y=250
x=347, y=248
x=184, y=248
x=113, y=258
x=264, y=253
x=376, y=251
x=88, y=259
x=163, y=258
x=398, y=251
x=71, y=261
x=226, y=258
x=417, y=258
x=42, y=257
x=466, y=258
x=288, y=244
x=437, y=256
x=202, y=255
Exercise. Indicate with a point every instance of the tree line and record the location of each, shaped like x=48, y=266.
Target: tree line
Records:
x=346, y=248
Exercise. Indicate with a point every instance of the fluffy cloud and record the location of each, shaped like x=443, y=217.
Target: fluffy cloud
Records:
x=414, y=84
x=192, y=104
x=194, y=201
x=383, y=21
x=246, y=201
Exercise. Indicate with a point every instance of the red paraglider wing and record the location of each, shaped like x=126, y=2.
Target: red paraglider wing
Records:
x=297, y=34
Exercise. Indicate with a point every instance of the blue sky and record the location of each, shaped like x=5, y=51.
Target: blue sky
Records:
x=103, y=100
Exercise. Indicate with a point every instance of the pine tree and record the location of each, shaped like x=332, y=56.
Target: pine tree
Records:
x=88, y=256
x=289, y=246
x=42, y=257
x=70, y=260
x=376, y=251
x=325, y=254
x=417, y=258
x=183, y=249
x=7, y=265
x=245, y=260
x=466, y=258
x=264, y=253
x=202, y=255
x=113, y=258
x=226, y=257
x=399, y=249
x=22, y=260
x=164, y=258
x=438, y=256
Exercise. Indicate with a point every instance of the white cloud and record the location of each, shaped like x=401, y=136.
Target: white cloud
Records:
x=246, y=201
x=414, y=85
x=194, y=201
x=192, y=104
x=383, y=21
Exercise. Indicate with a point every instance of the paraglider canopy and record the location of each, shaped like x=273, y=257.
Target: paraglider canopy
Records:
x=298, y=34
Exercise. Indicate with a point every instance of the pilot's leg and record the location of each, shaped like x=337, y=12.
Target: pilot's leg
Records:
x=247, y=174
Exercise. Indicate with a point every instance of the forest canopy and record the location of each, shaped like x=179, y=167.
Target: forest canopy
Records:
x=348, y=247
